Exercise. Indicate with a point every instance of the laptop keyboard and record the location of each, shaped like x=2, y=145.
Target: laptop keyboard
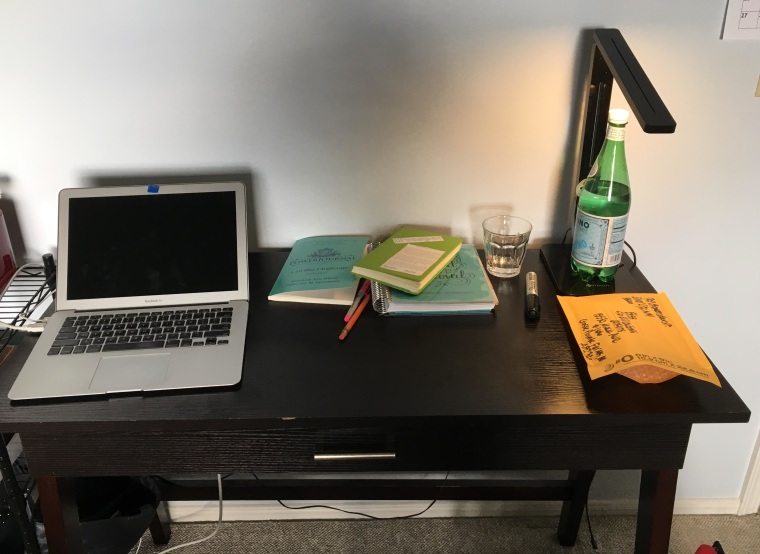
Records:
x=111, y=332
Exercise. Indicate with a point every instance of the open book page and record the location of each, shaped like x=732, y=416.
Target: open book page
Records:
x=621, y=331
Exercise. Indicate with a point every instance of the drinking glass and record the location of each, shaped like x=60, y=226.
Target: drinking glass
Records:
x=505, y=240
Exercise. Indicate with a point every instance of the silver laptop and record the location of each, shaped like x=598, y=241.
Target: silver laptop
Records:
x=152, y=293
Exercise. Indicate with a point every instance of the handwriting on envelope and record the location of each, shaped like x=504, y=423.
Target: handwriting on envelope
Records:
x=617, y=332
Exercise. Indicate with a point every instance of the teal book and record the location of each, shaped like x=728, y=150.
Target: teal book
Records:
x=463, y=287
x=409, y=259
x=318, y=271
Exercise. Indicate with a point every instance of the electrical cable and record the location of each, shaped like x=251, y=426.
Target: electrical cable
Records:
x=324, y=506
x=35, y=327
x=594, y=545
x=218, y=523
x=633, y=253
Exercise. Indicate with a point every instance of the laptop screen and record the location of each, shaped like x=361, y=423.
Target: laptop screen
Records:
x=152, y=245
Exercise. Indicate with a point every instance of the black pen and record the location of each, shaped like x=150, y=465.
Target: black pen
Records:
x=532, y=303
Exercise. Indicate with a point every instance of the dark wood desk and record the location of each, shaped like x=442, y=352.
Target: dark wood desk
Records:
x=433, y=393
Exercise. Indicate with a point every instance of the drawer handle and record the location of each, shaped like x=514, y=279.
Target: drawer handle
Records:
x=357, y=456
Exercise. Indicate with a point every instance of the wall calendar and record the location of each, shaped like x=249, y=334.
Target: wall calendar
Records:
x=742, y=20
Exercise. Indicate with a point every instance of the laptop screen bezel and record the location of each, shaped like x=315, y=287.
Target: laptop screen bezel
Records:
x=158, y=301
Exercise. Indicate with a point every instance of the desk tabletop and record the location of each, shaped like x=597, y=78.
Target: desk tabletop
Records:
x=421, y=369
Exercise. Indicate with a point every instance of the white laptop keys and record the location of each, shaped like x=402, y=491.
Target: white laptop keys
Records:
x=152, y=293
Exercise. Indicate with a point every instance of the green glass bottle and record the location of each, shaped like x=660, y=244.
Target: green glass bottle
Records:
x=604, y=200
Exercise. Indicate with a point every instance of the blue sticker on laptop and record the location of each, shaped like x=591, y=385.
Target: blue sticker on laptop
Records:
x=152, y=188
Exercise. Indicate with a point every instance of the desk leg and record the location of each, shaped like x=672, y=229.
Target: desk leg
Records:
x=160, y=528
x=572, y=510
x=657, y=495
x=16, y=501
x=59, y=511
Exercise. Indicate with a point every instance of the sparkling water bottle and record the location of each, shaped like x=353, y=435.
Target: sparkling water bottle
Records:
x=604, y=200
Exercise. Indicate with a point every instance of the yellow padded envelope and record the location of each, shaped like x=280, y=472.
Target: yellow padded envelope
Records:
x=635, y=334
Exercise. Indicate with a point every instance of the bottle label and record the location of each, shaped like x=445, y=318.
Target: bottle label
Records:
x=616, y=134
x=598, y=241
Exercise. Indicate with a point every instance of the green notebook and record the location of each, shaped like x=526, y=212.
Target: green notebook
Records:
x=409, y=259
x=318, y=271
x=463, y=287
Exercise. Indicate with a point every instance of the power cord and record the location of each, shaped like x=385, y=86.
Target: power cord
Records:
x=564, y=238
x=633, y=253
x=594, y=545
x=35, y=327
x=218, y=523
x=221, y=503
x=324, y=506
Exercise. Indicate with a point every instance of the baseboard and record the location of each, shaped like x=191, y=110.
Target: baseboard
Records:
x=237, y=510
x=750, y=497
x=706, y=506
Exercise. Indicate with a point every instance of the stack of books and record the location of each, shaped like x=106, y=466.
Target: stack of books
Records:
x=413, y=271
x=416, y=271
x=409, y=259
x=462, y=287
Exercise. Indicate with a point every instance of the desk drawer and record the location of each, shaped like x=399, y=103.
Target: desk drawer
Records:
x=361, y=449
x=476, y=447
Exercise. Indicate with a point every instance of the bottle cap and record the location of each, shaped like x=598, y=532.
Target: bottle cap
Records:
x=618, y=116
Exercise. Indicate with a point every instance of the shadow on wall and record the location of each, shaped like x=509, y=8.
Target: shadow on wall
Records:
x=164, y=177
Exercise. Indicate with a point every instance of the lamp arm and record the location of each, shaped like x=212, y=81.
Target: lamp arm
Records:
x=613, y=61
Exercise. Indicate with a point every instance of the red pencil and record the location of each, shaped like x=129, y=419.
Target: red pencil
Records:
x=354, y=317
x=363, y=291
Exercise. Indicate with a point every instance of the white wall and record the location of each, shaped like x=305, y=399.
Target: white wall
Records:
x=354, y=116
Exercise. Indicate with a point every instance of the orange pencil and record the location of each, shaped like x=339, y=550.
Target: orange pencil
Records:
x=354, y=317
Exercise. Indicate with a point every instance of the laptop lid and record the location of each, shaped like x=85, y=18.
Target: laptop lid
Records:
x=160, y=245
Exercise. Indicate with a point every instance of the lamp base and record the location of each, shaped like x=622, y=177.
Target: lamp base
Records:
x=556, y=258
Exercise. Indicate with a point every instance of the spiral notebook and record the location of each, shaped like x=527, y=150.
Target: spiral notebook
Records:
x=463, y=287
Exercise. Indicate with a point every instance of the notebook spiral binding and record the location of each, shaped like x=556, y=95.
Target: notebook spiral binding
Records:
x=380, y=295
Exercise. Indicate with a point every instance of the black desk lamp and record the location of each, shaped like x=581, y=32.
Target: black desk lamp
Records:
x=611, y=59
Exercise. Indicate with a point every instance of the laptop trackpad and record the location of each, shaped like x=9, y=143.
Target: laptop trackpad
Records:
x=130, y=372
